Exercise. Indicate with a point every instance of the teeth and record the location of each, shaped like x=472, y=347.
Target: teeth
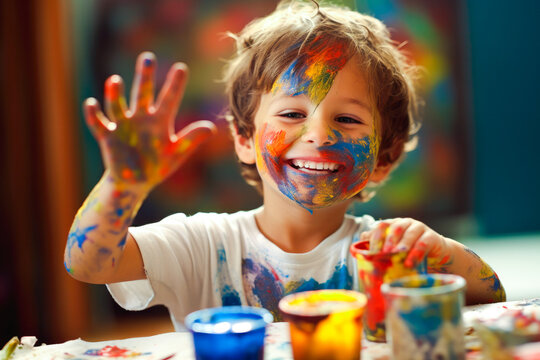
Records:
x=312, y=165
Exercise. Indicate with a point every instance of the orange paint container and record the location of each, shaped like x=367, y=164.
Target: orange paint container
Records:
x=325, y=324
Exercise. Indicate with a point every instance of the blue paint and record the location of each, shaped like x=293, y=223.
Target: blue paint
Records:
x=358, y=156
x=424, y=322
x=147, y=62
x=79, y=236
x=103, y=251
x=233, y=332
x=229, y=295
x=122, y=242
x=267, y=290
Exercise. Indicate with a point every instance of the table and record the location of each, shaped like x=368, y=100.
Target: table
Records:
x=178, y=345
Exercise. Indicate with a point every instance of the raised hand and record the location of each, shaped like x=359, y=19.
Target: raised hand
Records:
x=138, y=144
x=139, y=149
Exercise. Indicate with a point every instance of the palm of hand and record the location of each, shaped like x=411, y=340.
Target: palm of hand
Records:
x=139, y=145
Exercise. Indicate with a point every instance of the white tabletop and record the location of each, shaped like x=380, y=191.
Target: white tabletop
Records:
x=179, y=345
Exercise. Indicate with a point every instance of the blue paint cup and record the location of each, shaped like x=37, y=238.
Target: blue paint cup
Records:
x=423, y=317
x=230, y=332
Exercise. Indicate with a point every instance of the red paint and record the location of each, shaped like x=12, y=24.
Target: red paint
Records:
x=374, y=316
x=275, y=142
x=375, y=308
x=127, y=174
x=112, y=88
x=111, y=351
x=416, y=254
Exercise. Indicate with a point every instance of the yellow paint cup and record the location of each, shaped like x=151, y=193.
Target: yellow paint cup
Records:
x=325, y=324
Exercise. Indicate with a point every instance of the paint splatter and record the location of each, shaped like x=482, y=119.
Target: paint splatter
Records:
x=79, y=236
x=488, y=275
x=313, y=72
x=229, y=295
x=357, y=159
x=264, y=287
x=114, y=352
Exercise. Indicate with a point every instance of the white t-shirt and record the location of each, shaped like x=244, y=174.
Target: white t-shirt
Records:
x=208, y=260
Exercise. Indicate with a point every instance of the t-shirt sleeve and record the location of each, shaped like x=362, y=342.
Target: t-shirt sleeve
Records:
x=169, y=254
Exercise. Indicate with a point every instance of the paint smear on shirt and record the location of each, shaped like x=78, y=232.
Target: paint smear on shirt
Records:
x=264, y=287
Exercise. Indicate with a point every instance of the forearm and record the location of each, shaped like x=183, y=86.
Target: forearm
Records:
x=483, y=284
x=97, y=236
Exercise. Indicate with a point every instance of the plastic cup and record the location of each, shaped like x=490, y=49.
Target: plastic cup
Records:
x=424, y=319
x=504, y=335
x=324, y=324
x=231, y=332
x=374, y=269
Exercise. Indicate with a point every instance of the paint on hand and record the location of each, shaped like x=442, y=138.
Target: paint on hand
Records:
x=137, y=146
x=439, y=261
x=313, y=72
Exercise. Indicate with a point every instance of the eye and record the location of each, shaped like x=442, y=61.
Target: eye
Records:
x=348, y=120
x=292, y=115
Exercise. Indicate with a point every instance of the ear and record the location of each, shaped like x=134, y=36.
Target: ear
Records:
x=381, y=172
x=244, y=147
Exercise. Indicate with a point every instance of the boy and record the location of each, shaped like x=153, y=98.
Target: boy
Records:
x=321, y=104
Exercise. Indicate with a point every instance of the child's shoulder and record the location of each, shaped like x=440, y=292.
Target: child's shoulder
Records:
x=243, y=216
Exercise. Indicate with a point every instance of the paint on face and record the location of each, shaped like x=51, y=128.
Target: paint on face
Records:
x=357, y=159
x=265, y=287
x=313, y=72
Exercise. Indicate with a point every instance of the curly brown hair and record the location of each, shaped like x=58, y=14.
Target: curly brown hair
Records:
x=268, y=45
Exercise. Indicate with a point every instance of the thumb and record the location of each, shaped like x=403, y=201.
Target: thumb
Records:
x=192, y=136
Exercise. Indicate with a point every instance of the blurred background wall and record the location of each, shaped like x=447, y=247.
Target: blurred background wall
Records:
x=473, y=176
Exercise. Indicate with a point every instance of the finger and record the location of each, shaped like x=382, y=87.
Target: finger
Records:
x=95, y=119
x=395, y=232
x=409, y=237
x=142, y=91
x=419, y=251
x=377, y=238
x=439, y=256
x=193, y=135
x=115, y=102
x=172, y=92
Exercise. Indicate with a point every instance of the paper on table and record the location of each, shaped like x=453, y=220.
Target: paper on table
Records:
x=158, y=347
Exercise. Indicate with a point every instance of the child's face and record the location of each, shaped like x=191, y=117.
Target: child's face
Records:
x=315, y=135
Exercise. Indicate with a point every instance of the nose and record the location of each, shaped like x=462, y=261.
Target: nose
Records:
x=318, y=132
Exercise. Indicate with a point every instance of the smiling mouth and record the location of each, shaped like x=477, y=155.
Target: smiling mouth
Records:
x=316, y=166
